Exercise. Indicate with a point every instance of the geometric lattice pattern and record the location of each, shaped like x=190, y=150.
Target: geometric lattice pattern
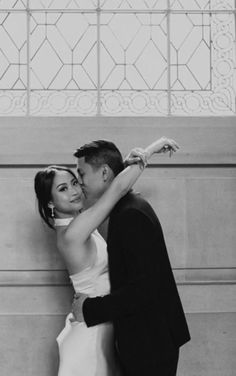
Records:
x=117, y=57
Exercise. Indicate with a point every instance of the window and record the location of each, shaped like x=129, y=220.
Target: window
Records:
x=117, y=57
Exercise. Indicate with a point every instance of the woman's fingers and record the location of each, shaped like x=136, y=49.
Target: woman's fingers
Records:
x=170, y=146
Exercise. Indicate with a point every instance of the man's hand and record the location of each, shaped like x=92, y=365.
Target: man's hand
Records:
x=77, y=307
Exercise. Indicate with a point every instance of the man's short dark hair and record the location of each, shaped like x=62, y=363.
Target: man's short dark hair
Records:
x=100, y=152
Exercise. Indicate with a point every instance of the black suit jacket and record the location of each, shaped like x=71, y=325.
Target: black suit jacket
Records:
x=144, y=303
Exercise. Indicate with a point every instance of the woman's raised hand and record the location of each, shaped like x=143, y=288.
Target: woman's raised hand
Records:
x=162, y=145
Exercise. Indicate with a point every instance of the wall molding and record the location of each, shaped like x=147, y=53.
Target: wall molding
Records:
x=188, y=276
x=194, y=135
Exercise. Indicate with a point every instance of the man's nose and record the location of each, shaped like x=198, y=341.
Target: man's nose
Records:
x=80, y=180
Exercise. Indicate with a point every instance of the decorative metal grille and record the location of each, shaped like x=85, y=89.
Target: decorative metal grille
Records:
x=117, y=57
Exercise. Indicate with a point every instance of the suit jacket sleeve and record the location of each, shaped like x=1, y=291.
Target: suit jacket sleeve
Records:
x=140, y=250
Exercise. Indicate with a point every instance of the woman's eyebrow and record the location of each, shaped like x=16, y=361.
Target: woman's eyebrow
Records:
x=60, y=185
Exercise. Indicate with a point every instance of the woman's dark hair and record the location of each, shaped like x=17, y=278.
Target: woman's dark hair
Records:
x=99, y=152
x=43, y=182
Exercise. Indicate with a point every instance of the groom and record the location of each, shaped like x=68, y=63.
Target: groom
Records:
x=144, y=303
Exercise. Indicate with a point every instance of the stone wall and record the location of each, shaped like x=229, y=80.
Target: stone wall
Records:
x=193, y=194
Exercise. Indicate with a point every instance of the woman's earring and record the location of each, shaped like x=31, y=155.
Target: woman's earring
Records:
x=52, y=211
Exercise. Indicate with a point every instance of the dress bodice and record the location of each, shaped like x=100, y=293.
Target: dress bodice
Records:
x=87, y=350
x=94, y=279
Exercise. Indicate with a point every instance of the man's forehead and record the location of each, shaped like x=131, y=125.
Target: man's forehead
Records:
x=81, y=164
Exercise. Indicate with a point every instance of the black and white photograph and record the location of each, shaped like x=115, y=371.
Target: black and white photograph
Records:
x=118, y=187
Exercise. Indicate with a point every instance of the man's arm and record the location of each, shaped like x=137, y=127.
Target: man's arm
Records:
x=141, y=258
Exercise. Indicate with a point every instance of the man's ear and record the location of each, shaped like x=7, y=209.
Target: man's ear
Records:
x=105, y=172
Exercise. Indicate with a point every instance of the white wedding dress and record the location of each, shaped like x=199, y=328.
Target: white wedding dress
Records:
x=90, y=351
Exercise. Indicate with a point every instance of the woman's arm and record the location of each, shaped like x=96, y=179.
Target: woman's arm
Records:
x=86, y=222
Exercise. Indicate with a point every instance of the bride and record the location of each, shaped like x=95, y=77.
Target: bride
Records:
x=87, y=351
